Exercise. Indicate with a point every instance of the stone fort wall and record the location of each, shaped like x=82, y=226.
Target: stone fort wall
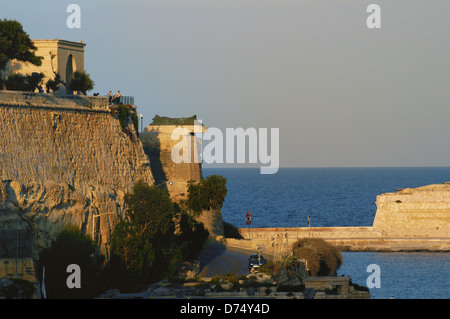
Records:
x=67, y=143
x=63, y=160
x=411, y=219
x=159, y=143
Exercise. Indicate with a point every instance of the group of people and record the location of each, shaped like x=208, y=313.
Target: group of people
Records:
x=114, y=99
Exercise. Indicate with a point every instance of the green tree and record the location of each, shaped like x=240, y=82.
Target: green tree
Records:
x=19, y=82
x=323, y=258
x=15, y=82
x=15, y=43
x=150, y=209
x=192, y=236
x=34, y=81
x=144, y=244
x=71, y=247
x=153, y=240
x=82, y=82
x=206, y=194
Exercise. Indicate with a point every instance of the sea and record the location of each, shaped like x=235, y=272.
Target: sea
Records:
x=341, y=197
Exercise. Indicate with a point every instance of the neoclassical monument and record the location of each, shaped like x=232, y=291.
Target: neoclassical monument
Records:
x=60, y=56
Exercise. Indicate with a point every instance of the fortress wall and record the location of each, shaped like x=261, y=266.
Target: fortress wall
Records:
x=62, y=163
x=294, y=233
x=415, y=212
x=44, y=100
x=68, y=144
x=411, y=219
x=158, y=145
x=275, y=241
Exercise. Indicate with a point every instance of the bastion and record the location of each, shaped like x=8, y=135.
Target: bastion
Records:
x=69, y=160
x=174, y=150
x=63, y=160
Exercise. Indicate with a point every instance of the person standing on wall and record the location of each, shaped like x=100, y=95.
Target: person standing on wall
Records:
x=109, y=98
x=116, y=98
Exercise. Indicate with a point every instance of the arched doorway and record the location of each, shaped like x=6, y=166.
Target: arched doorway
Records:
x=70, y=68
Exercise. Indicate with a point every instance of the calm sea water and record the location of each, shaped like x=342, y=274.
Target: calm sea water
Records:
x=340, y=197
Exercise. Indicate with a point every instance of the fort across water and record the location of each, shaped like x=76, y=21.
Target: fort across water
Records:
x=412, y=219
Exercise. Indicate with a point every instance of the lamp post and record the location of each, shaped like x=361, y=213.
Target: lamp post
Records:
x=165, y=182
x=142, y=122
x=170, y=183
x=309, y=227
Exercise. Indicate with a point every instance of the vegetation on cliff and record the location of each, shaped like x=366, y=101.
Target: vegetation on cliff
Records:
x=206, y=194
x=146, y=247
x=81, y=82
x=15, y=44
x=322, y=258
x=125, y=113
x=154, y=240
x=19, y=82
x=71, y=247
x=163, y=120
x=319, y=257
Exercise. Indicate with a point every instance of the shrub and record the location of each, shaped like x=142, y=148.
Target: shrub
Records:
x=15, y=288
x=33, y=81
x=323, y=259
x=52, y=84
x=192, y=236
x=206, y=194
x=82, y=82
x=15, y=82
x=147, y=247
x=19, y=82
x=71, y=247
x=15, y=43
x=123, y=112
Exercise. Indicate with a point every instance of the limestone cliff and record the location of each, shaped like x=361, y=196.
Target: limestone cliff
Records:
x=63, y=161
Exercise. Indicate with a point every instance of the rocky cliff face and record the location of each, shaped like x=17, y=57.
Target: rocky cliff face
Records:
x=31, y=215
x=415, y=212
x=62, y=163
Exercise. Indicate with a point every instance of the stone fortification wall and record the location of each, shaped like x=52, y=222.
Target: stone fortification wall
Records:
x=158, y=144
x=415, y=212
x=411, y=219
x=62, y=161
x=69, y=144
x=51, y=101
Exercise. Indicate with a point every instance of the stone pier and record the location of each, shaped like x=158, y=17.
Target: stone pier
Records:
x=413, y=219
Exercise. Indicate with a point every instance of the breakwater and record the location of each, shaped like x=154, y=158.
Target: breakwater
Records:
x=411, y=219
x=277, y=240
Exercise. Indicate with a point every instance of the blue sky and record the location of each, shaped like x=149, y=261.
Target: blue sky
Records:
x=340, y=93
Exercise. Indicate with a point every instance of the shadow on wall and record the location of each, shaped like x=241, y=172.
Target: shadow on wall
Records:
x=156, y=166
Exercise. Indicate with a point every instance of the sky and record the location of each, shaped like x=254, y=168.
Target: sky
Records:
x=341, y=94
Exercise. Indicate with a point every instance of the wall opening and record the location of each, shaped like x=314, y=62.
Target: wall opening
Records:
x=70, y=68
